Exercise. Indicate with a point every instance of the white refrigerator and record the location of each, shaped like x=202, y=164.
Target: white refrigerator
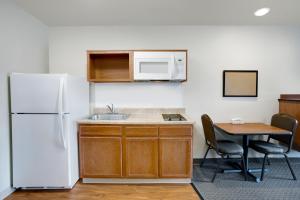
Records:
x=44, y=110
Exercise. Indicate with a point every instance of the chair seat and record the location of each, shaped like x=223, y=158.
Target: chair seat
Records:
x=229, y=147
x=266, y=147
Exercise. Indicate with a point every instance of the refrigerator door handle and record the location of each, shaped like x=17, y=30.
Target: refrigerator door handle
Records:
x=61, y=130
x=60, y=112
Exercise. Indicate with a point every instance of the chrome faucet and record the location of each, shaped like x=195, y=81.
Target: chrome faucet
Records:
x=111, y=108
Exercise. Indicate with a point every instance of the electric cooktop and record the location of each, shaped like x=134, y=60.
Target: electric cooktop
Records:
x=173, y=117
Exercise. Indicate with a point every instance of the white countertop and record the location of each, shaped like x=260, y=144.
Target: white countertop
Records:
x=139, y=118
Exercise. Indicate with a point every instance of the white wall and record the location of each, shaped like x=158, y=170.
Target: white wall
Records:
x=274, y=51
x=24, y=48
x=158, y=94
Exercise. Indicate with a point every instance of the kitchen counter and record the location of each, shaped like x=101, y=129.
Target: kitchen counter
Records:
x=141, y=116
x=139, y=149
x=138, y=119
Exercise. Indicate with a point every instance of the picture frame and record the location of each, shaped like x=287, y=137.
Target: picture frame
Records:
x=240, y=83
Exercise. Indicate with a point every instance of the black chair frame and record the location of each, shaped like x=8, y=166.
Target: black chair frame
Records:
x=288, y=140
x=213, y=145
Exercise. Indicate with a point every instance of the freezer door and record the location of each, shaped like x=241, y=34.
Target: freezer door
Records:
x=38, y=93
x=40, y=158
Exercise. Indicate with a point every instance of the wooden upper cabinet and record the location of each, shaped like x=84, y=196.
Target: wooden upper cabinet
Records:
x=109, y=66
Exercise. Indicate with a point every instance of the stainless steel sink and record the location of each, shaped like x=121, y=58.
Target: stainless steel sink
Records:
x=110, y=116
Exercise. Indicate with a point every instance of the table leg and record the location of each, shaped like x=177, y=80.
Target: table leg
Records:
x=239, y=168
x=245, y=147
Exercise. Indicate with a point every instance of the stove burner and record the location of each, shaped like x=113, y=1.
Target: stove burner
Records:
x=173, y=117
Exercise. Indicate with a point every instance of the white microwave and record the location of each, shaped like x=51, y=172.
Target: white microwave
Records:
x=149, y=65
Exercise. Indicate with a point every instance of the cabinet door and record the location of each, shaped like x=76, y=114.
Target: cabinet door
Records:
x=100, y=157
x=141, y=157
x=175, y=157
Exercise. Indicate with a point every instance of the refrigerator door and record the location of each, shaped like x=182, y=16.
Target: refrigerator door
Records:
x=40, y=158
x=38, y=93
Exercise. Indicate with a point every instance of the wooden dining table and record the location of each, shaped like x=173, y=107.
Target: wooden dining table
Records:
x=246, y=130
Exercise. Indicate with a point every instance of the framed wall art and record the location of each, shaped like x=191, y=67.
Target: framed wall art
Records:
x=240, y=83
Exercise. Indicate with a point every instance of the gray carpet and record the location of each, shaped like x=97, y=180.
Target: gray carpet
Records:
x=278, y=183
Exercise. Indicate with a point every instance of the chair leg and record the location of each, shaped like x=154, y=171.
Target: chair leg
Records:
x=216, y=171
x=263, y=168
x=201, y=164
x=244, y=167
x=289, y=164
x=268, y=161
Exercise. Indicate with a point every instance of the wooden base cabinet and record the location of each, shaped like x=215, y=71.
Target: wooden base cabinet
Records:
x=175, y=152
x=141, y=157
x=141, y=151
x=175, y=157
x=101, y=157
x=135, y=151
x=100, y=151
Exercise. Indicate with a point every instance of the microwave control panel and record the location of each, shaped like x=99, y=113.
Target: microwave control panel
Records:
x=179, y=66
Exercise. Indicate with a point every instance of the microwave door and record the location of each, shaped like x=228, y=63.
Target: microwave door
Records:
x=153, y=68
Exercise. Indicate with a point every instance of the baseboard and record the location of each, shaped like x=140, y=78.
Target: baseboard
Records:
x=137, y=181
x=5, y=193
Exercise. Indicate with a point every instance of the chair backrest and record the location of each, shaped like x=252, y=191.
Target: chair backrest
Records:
x=286, y=122
x=209, y=131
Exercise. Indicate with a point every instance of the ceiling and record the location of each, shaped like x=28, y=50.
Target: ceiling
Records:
x=161, y=12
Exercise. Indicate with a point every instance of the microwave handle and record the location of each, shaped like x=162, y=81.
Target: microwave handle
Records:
x=172, y=67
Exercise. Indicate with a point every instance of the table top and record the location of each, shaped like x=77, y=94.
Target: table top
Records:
x=251, y=129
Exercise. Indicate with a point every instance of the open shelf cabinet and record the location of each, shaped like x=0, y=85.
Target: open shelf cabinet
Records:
x=109, y=66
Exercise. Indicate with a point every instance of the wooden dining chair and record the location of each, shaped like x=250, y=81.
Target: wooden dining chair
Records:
x=283, y=121
x=223, y=148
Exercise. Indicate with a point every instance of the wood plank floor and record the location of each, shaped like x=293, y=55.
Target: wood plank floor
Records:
x=112, y=192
